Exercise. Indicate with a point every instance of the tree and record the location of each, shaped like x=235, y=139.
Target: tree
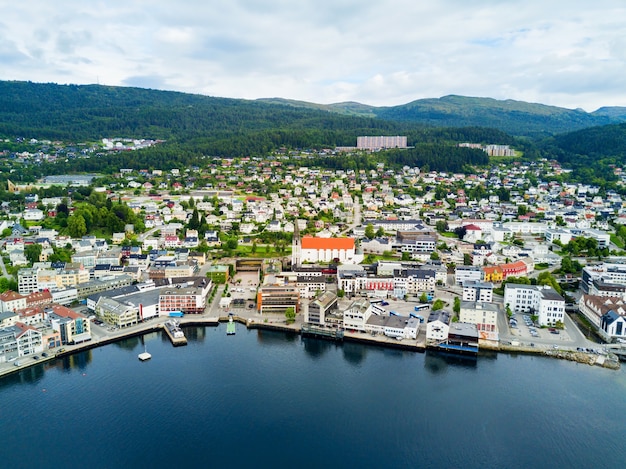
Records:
x=438, y=304
x=61, y=255
x=380, y=232
x=369, y=231
x=32, y=252
x=457, y=305
x=441, y=226
x=232, y=243
x=546, y=278
x=194, y=222
x=341, y=293
x=290, y=314
x=434, y=256
x=406, y=256
x=7, y=284
x=461, y=231
x=423, y=298
x=76, y=226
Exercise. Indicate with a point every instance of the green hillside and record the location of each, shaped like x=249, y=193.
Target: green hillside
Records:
x=592, y=153
x=197, y=126
x=514, y=117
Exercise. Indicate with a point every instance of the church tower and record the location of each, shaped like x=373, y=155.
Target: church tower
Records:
x=296, y=246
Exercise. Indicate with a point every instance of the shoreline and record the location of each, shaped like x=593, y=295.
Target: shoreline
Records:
x=366, y=339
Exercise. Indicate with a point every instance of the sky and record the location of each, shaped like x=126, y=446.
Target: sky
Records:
x=567, y=53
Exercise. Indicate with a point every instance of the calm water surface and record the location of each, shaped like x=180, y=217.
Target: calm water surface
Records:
x=261, y=399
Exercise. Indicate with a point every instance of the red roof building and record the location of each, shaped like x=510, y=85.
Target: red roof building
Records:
x=314, y=249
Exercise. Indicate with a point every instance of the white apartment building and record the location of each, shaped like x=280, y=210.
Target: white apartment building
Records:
x=477, y=291
x=483, y=315
x=376, y=143
x=540, y=300
x=467, y=273
x=356, y=315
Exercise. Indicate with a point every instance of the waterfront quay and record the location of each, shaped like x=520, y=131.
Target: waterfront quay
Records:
x=103, y=335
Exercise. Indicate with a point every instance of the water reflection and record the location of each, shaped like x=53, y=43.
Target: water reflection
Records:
x=438, y=362
x=28, y=375
x=129, y=343
x=195, y=334
x=317, y=347
x=275, y=337
x=354, y=353
x=75, y=361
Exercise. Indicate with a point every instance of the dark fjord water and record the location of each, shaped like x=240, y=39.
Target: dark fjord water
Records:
x=261, y=399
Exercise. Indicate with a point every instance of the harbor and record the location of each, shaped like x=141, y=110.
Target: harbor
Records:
x=174, y=328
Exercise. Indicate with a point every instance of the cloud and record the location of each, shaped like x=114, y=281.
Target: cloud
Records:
x=567, y=53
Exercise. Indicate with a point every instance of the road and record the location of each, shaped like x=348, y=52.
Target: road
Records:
x=145, y=234
x=4, y=270
x=356, y=220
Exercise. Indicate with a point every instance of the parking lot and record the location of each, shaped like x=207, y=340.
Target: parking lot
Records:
x=524, y=326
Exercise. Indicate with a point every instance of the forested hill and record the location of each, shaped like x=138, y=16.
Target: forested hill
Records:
x=85, y=112
x=93, y=111
x=592, y=152
x=215, y=126
x=514, y=117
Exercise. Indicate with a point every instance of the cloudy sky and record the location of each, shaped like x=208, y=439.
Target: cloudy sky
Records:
x=569, y=53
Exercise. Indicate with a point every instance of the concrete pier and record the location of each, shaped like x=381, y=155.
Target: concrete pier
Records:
x=175, y=333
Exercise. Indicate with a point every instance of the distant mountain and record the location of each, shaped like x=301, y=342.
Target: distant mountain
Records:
x=514, y=117
x=615, y=112
x=349, y=108
x=87, y=112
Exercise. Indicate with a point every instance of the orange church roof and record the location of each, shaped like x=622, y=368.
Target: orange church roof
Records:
x=310, y=242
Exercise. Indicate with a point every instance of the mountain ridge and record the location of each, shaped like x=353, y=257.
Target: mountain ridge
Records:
x=534, y=119
x=99, y=110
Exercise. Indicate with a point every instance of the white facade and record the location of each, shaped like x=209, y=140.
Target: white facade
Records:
x=483, y=315
x=64, y=297
x=356, y=315
x=467, y=273
x=558, y=234
x=378, y=142
x=478, y=291
x=27, y=281
x=542, y=301
x=438, y=326
x=11, y=301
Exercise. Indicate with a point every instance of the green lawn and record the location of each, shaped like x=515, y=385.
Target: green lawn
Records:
x=617, y=241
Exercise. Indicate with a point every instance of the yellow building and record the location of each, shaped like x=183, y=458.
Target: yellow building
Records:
x=492, y=274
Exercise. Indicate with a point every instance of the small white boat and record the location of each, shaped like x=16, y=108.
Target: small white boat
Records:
x=144, y=355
